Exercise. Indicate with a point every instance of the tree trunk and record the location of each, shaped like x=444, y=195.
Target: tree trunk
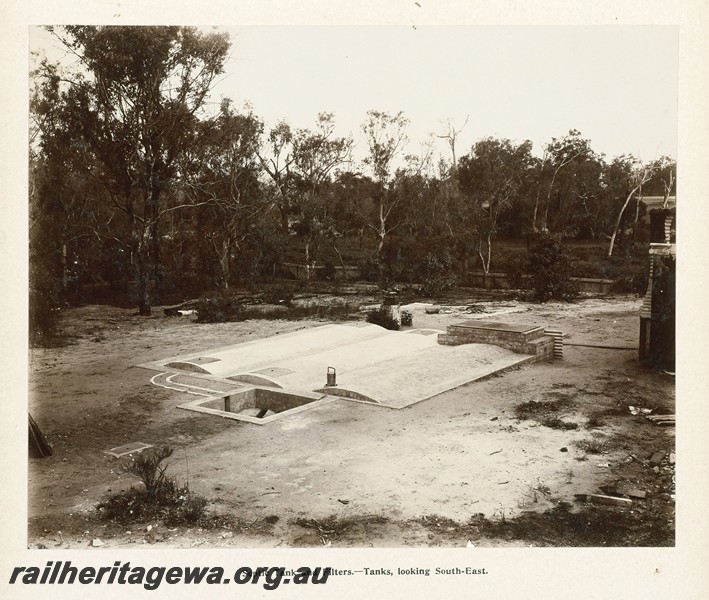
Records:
x=380, y=244
x=142, y=274
x=619, y=219
x=544, y=226
x=140, y=258
x=485, y=260
x=285, y=227
x=155, y=237
x=536, y=209
x=65, y=269
x=224, y=264
x=337, y=251
x=307, y=260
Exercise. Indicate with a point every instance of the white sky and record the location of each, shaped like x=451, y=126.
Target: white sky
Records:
x=616, y=84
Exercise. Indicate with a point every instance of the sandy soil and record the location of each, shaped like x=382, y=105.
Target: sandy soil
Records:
x=346, y=473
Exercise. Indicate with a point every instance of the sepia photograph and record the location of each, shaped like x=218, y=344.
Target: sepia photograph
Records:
x=352, y=286
x=389, y=300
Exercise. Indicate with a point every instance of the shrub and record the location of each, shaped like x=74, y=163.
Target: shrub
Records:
x=407, y=318
x=437, y=273
x=592, y=446
x=517, y=267
x=439, y=282
x=550, y=269
x=159, y=498
x=149, y=468
x=221, y=308
x=328, y=272
x=369, y=269
x=280, y=294
x=383, y=318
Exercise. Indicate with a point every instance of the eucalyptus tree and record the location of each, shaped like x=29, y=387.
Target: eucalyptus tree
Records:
x=386, y=137
x=276, y=155
x=491, y=178
x=654, y=177
x=223, y=173
x=558, y=154
x=129, y=110
x=576, y=204
x=317, y=156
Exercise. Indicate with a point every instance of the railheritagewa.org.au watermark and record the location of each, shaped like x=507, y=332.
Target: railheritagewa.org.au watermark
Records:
x=150, y=578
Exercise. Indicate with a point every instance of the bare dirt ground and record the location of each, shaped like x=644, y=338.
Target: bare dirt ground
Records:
x=463, y=466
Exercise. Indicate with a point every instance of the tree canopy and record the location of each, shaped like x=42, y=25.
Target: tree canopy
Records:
x=138, y=184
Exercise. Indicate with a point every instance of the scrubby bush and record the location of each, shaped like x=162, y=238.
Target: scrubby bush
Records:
x=550, y=269
x=280, y=294
x=517, y=267
x=369, y=269
x=328, y=272
x=160, y=496
x=407, y=318
x=437, y=273
x=221, y=308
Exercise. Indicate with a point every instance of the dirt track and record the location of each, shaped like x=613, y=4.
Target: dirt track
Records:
x=350, y=474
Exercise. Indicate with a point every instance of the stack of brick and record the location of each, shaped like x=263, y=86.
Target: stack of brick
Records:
x=558, y=342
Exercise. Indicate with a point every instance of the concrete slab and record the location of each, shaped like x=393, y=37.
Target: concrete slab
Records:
x=389, y=368
x=260, y=354
x=401, y=382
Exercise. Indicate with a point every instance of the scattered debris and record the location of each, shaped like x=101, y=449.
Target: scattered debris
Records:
x=474, y=308
x=638, y=410
x=657, y=457
x=612, y=490
x=127, y=449
x=96, y=543
x=496, y=452
x=640, y=460
x=180, y=309
x=600, y=499
x=433, y=310
x=564, y=449
x=343, y=501
x=662, y=419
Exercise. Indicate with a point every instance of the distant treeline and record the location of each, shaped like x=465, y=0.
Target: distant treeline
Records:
x=135, y=190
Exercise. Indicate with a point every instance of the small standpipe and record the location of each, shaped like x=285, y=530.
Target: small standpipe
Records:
x=331, y=377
